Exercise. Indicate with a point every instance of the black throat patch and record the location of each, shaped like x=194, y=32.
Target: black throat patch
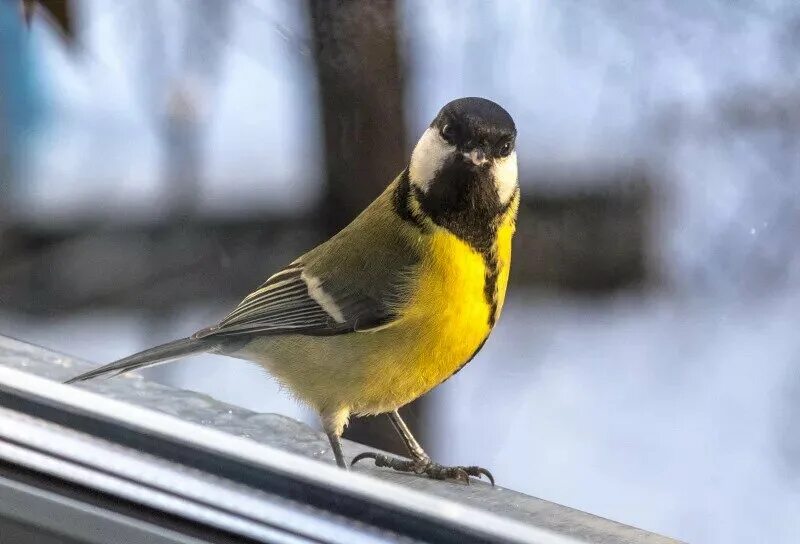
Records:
x=464, y=201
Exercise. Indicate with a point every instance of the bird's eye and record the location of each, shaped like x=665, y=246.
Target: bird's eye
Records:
x=449, y=133
x=505, y=149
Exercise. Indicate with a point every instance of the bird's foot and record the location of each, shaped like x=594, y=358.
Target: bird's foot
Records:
x=425, y=466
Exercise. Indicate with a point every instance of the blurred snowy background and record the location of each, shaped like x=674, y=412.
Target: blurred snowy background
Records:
x=159, y=159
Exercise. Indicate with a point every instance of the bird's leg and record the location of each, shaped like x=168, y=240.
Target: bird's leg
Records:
x=336, y=446
x=413, y=447
x=334, y=426
x=420, y=462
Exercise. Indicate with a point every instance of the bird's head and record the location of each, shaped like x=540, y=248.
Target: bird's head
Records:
x=466, y=158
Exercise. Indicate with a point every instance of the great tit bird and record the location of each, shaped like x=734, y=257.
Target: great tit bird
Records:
x=395, y=303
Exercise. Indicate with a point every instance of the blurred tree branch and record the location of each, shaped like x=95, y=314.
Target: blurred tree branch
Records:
x=361, y=94
x=60, y=13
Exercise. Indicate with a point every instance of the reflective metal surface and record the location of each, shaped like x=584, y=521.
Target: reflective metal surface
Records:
x=198, y=479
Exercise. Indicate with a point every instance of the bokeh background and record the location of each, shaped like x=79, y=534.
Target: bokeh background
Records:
x=159, y=159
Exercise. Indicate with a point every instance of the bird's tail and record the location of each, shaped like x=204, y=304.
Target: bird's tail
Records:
x=149, y=357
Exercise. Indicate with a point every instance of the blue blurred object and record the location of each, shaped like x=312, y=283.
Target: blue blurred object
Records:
x=21, y=107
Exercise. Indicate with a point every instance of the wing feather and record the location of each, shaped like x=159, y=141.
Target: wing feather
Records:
x=313, y=295
x=289, y=303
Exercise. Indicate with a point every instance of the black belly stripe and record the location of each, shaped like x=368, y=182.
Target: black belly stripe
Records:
x=490, y=284
x=490, y=293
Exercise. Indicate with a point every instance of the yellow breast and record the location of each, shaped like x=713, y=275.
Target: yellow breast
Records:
x=449, y=313
x=444, y=324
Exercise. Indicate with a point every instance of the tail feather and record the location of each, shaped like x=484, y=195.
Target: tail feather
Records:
x=149, y=357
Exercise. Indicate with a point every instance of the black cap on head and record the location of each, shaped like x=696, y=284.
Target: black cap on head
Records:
x=473, y=120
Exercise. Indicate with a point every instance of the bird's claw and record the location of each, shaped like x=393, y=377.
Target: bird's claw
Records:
x=425, y=466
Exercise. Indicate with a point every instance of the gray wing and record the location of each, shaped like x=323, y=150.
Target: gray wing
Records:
x=294, y=301
x=334, y=289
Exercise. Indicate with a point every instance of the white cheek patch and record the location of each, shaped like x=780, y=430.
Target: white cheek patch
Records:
x=504, y=172
x=428, y=157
